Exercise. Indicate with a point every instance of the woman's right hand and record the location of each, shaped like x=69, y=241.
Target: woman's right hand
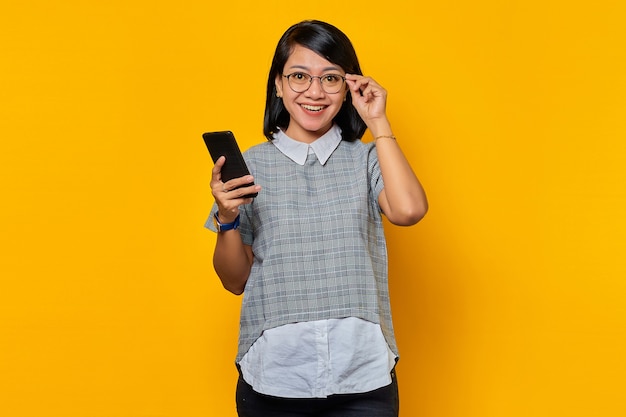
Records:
x=227, y=196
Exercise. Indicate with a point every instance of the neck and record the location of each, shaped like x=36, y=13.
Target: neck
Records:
x=306, y=136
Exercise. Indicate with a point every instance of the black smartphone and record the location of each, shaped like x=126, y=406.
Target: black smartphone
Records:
x=224, y=144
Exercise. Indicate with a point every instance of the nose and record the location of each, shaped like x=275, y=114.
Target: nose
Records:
x=316, y=89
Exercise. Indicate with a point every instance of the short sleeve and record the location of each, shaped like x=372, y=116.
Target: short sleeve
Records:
x=375, y=177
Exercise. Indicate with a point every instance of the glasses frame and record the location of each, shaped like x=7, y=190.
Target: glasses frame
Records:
x=311, y=78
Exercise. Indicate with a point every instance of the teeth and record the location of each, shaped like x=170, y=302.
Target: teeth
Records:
x=313, y=108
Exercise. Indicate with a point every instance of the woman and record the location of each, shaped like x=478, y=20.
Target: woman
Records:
x=309, y=252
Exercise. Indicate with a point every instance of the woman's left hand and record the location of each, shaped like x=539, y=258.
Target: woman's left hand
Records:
x=368, y=97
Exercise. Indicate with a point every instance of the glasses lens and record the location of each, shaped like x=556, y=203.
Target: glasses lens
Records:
x=332, y=83
x=299, y=81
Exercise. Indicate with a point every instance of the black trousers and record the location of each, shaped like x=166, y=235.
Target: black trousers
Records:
x=383, y=402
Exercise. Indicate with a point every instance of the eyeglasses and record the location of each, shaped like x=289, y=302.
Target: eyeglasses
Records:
x=299, y=82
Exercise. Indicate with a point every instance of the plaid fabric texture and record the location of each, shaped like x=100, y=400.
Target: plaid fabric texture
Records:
x=317, y=235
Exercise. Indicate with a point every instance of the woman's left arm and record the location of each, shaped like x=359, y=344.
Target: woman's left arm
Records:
x=403, y=199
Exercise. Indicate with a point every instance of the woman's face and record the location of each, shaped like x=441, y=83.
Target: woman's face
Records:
x=312, y=111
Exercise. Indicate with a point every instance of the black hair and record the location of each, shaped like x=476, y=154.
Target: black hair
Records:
x=329, y=42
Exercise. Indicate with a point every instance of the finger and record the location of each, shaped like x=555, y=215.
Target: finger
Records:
x=237, y=197
x=354, y=77
x=353, y=87
x=370, y=94
x=362, y=82
x=237, y=183
x=359, y=84
x=244, y=191
x=372, y=91
x=216, y=172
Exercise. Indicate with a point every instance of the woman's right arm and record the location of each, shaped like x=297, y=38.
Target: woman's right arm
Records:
x=232, y=259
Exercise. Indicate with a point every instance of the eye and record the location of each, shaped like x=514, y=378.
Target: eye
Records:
x=300, y=76
x=332, y=79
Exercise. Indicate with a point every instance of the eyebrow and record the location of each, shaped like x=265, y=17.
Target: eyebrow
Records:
x=303, y=67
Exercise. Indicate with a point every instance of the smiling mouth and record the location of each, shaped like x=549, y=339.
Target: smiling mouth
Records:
x=312, y=108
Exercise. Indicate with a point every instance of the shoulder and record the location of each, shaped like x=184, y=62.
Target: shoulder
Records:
x=259, y=148
x=356, y=146
x=260, y=152
x=358, y=149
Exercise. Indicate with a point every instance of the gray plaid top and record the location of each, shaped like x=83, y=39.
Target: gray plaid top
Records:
x=317, y=236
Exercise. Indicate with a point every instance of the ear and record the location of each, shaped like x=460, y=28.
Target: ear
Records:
x=279, y=85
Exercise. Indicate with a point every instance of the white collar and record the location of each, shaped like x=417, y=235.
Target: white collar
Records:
x=297, y=151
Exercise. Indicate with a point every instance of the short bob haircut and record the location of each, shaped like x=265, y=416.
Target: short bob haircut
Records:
x=329, y=42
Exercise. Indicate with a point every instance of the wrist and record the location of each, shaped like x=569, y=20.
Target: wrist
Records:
x=222, y=226
x=227, y=216
x=380, y=127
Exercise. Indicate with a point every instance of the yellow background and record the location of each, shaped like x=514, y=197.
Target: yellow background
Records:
x=509, y=298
